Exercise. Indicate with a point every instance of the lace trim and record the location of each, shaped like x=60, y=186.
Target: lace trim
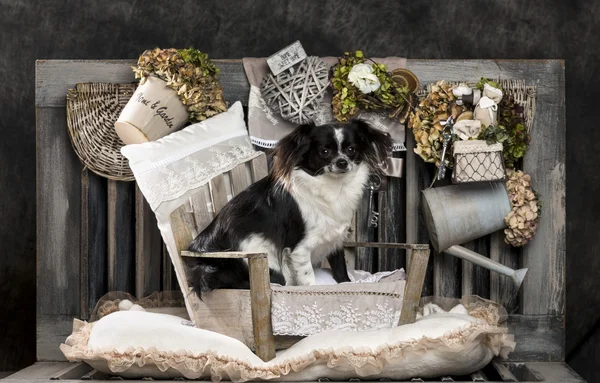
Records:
x=199, y=146
x=270, y=144
x=484, y=311
x=311, y=319
x=475, y=146
x=480, y=308
x=174, y=184
x=336, y=293
x=256, y=101
x=365, y=361
x=398, y=147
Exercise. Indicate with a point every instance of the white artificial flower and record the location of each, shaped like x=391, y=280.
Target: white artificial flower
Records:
x=462, y=90
x=362, y=77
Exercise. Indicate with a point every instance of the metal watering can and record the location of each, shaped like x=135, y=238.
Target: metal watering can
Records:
x=458, y=214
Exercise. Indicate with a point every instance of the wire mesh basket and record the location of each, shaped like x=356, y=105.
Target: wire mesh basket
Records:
x=476, y=161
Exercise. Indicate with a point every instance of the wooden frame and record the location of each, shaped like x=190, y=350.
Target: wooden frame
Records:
x=260, y=289
x=260, y=298
x=84, y=222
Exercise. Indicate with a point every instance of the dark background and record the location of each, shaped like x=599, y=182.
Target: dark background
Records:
x=534, y=29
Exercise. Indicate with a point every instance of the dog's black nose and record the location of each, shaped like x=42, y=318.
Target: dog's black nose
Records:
x=342, y=164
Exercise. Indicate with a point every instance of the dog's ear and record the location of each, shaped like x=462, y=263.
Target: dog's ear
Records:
x=378, y=144
x=290, y=151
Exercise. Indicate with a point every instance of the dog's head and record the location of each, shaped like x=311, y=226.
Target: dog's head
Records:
x=330, y=149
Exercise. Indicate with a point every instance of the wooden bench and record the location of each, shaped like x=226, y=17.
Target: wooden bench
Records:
x=95, y=235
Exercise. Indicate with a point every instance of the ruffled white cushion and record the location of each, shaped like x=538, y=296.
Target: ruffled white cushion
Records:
x=137, y=344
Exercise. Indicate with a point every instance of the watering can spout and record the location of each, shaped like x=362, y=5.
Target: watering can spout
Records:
x=518, y=277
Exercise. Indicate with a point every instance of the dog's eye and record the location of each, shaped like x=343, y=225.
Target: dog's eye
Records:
x=350, y=150
x=325, y=152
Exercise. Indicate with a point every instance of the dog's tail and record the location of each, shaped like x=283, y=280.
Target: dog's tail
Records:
x=207, y=274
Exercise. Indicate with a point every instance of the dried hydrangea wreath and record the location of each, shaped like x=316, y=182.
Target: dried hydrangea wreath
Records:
x=190, y=73
x=358, y=85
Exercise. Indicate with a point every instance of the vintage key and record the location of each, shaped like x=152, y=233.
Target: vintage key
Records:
x=446, y=137
x=374, y=183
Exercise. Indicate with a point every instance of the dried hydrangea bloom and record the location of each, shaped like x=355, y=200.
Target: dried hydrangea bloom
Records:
x=523, y=220
x=425, y=121
x=190, y=73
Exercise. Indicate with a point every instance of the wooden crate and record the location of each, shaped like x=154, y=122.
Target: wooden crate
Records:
x=95, y=235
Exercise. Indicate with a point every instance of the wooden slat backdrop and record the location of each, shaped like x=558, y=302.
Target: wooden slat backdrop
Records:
x=96, y=235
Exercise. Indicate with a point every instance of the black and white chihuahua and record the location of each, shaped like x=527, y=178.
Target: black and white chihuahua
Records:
x=299, y=214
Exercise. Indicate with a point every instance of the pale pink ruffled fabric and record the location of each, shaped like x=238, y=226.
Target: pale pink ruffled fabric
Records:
x=364, y=361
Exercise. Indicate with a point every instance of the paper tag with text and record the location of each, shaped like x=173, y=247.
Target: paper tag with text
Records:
x=286, y=58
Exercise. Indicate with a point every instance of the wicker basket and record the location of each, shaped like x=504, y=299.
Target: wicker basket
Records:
x=524, y=95
x=92, y=109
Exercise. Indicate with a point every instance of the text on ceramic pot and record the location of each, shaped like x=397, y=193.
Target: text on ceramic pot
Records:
x=158, y=111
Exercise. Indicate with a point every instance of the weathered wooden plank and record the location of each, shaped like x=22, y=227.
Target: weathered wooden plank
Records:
x=447, y=272
x=83, y=257
x=148, y=248
x=412, y=191
x=121, y=236
x=93, y=275
x=58, y=216
x=417, y=178
x=54, y=77
x=543, y=290
x=548, y=372
x=502, y=289
x=224, y=254
x=504, y=372
x=555, y=372
x=218, y=193
x=476, y=279
x=366, y=258
x=199, y=202
x=259, y=168
x=414, y=285
x=386, y=245
x=39, y=370
x=240, y=178
x=52, y=330
x=539, y=337
x=350, y=252
x=73, y=371
x=168, y=280
x=391, y=205
x=260, y=300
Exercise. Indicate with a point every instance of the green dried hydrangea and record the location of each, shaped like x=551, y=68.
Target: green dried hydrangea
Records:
x=484, y=81
x=190, y=73
x=511, y=131
x=348, y=100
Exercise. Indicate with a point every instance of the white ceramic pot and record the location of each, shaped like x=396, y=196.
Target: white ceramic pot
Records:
x=153, y=111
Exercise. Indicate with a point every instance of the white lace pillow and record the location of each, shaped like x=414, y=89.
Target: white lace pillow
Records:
x=137, y=344
x=170, y=170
